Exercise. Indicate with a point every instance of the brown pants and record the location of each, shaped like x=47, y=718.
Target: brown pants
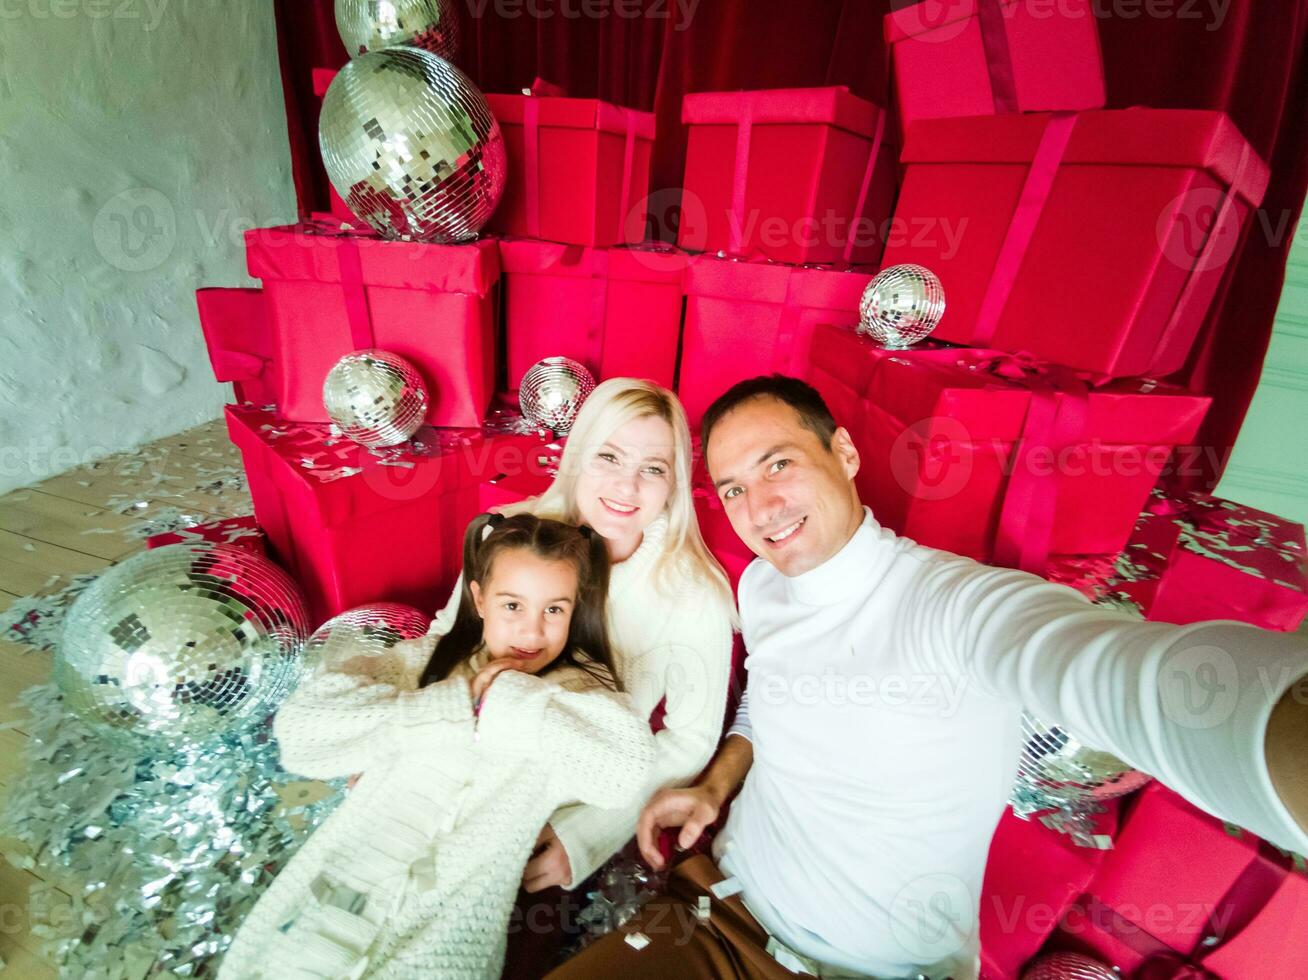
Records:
x=731, y=945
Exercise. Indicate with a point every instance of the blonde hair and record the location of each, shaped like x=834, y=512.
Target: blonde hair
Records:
x=612, y=405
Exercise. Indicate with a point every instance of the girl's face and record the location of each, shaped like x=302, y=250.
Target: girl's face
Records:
x=526, y=606
x=625, y=481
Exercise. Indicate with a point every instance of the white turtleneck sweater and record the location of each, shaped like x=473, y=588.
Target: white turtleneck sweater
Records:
x=415, y=873
x=672, y=645
x=884, y=697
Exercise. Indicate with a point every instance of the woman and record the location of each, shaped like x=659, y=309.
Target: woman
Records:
x=626, y=471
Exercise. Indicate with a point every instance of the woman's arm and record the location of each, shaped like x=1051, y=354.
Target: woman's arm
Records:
x=691, y=670
x=338, y=722
x=1190, y=705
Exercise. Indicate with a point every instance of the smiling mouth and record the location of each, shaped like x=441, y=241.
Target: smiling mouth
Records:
x=521, y=654
x=786, y=533
x=626, y=510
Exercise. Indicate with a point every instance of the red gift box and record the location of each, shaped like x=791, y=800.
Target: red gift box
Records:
x=1095, y=240
x=243, y=532
x=330, y=293
x=1182, y=893
x=578, y=169
x=616, y=310
x=993, y=457
x=1194, y=557
x=1033, y=874
x=522, y=466
x=981, y=57
x=235, y=326
x=793, y=175
x=354, y=526
x=745, y=319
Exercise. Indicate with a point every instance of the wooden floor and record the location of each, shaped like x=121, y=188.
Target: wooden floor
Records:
x=65, y=526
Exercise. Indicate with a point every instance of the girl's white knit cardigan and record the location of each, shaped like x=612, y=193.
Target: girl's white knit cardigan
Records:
x=415, y=874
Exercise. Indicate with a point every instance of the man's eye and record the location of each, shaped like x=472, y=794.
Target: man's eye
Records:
x=780, y=464
x=732, y=492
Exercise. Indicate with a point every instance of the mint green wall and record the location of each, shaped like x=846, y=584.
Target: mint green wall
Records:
x=1269, y=467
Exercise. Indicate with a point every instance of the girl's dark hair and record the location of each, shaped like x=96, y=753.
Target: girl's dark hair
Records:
x=588, y=639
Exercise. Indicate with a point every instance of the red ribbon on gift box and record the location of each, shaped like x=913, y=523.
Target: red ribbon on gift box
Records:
x=999, y=57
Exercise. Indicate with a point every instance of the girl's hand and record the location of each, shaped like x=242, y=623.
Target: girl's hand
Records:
x=482, y=682
x=549, y=865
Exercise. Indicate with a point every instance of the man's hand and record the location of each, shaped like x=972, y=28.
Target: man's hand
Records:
x=692, y=809
x=549, y=865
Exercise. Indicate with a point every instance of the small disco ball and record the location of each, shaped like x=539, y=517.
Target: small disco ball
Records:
x=182, y=643
x=366, y=25
x=901, y=305
x=367, y=631
x=1069, y=966
x=375, y=397
x=411, y=146
x=1064, y=771
x=552, y=392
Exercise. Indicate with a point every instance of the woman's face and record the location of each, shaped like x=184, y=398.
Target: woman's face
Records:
x=625, y=481
x=526, y=606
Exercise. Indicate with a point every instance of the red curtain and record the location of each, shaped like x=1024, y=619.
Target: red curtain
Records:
x=1204, y=54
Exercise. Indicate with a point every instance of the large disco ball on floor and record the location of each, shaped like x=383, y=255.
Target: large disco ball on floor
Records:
x=366, y=25
x=182, y=643
x=411, y=146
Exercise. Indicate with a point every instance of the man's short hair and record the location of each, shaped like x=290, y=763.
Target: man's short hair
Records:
x=799, y=395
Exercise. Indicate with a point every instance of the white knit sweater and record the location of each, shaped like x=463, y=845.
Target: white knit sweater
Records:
x=416, y=872
x=673, y=644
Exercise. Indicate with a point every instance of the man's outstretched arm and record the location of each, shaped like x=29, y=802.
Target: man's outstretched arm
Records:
x=695, y=807
x=1213, y=710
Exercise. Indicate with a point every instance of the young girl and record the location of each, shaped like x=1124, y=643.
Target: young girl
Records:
x=466, y=743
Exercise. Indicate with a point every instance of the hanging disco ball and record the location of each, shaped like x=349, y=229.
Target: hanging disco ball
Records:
x=1065, y=772
x=367, y=631
x=366, y=25
x=552, y=392
x=1069, y=966
x=182, y=643
x=411, y=146
x=375, y=397
x=901, y=305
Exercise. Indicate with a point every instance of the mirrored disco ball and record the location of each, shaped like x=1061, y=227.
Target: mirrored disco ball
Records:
x=901, y=305
x=411, y=146
x=552, y=392
x=375, y=398
x=367, y=631
x=182, y=643
x=1069, y=966
x=1063, y=770
x=366, y=25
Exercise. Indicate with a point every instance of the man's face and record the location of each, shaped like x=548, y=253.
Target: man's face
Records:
x=790, y=498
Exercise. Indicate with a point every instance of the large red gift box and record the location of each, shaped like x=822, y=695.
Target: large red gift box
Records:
x=793, y=175
x=1194, y=557
x=235, y=326
x=354, y=526
x=1181, y=893
x=578, y=169
x=331, y=292
x=616, y=310
x=745, y=319
x=997, y=458
x=1095, y=240
x=981, y=57
x=1033, y=874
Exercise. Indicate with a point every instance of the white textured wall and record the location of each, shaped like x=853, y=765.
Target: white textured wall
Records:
x=138, y=138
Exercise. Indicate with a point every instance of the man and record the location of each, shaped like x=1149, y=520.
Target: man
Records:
x=880, y=726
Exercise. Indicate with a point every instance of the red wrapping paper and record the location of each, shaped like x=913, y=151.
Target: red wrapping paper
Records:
x=330, y=293
x=793, y=175
x=616, y=310
x=1193, y=557
x=1177, y=877
x=981, y=57
x=578, y=169
x=1082, y=238
x=235, y=326
x=744, y=319
x=947, y=437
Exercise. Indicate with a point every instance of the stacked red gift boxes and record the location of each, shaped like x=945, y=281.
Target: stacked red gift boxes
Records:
x=1079, y=249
